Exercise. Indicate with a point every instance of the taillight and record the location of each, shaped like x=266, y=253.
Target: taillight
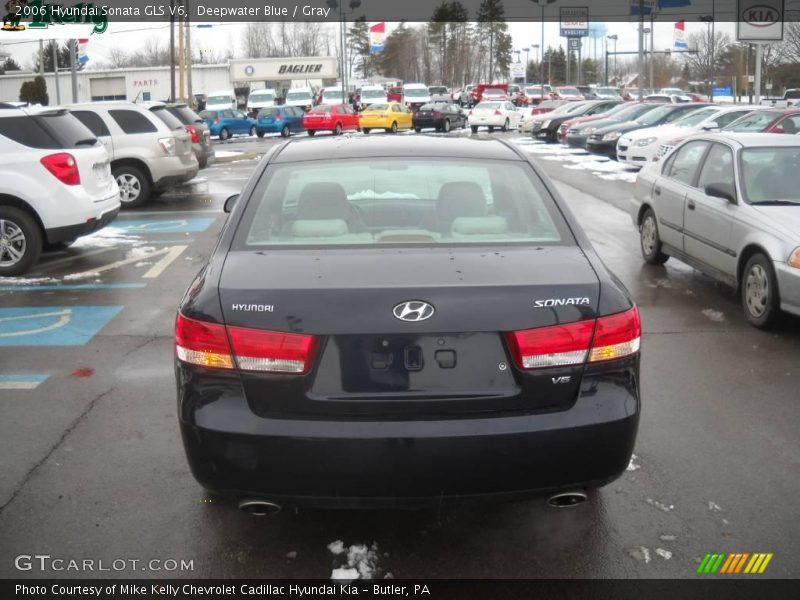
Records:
x=193, y=133
x=216, y=120
x=63, y=166
x=615, y=336
x=258, y=350
x=206, y=344
x=279, y=117
x=167, y=145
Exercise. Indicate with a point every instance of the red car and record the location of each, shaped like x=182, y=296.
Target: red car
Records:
x=477, y=91
x=567, y=92
x=395, y=94
x=331, y=117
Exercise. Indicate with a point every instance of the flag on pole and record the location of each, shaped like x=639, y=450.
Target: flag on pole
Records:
x=83, y=58
x=679, y=36
x=376, y=34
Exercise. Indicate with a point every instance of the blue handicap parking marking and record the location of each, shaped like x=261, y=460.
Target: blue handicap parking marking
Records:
x=191, y=225
x=53, y=325
x=22, y=381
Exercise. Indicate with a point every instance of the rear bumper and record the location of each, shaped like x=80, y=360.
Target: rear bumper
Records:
x=174, y=170
x=92, y=224
x=401, y=463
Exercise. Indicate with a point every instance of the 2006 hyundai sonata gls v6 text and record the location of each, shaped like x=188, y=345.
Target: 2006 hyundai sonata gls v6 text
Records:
x=395, y=321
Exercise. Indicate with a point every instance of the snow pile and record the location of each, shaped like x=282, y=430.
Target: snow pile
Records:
x=362, y=561
x=632, y=466
x=660, y=505
x=139, y=252
x=108, y=237
x=714, y=315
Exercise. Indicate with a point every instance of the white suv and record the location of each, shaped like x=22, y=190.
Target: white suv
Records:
x=55, y=184
x=150, y=149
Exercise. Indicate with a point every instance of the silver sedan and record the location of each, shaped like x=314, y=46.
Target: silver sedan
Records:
x=729, y=206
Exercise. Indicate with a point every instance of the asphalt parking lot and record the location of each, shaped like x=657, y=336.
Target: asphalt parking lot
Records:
x=92, y=466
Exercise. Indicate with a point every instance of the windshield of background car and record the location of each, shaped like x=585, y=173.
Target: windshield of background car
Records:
x=568, y=92
x=219, y=100
x=415, y=92
x=693, y=118
x=771, y=174
x=262, y=97
x=298, y=96
x=654, y=116
x=401, y=200
x=372, y=94
x=607, y=91
x=755, y=122
x=493, y=92
x=438, y=90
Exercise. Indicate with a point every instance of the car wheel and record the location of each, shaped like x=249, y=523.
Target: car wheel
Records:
x=252, y=131
x=286, y=132
x=20, y=241
x=260, y=134
x=760, y=292
x=393, y=129
x=224, y=134
x=338, y=129
x=474, y=128
x=418, y=129
x=311, y=132
x=134, y=187
x=446, y=126
x=366, y=130
x=650, y=241
x=505, y=126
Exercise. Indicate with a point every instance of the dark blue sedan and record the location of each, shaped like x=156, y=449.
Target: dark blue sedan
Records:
x=226, y=122
x=280, y=119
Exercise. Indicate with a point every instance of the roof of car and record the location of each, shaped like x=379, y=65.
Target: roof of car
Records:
x=406, y=146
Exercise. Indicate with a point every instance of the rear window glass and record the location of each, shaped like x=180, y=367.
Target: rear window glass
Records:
x=401, y=201
x=219, y=100
x=185, y=114
x=269, y=112
x=131, y=121
x=771, y=174
x=298, y=95
x=47, y=131
x=208, y=114
x=322, y=108
x=92, y=121
x=167, y=118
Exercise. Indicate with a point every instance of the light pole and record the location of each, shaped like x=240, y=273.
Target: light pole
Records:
x=335, y=4
x=710, y=21
x=526, y=50
x=542, y=4
x=613, y=38
x=647, y=58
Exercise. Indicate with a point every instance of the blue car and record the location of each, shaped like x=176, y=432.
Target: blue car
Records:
x=280, y=119
x=226, y=122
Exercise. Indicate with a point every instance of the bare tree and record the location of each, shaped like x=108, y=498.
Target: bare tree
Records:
x=705, y=47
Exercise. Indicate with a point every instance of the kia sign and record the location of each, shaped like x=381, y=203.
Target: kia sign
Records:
x=282, y=69
x=759, y=20
x=574, y=21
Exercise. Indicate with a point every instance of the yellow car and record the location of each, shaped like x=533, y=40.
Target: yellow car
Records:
x=390, y=116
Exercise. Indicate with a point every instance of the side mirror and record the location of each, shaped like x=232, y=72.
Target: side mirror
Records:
x=722, y=190
x=710, y=126
x=230, y=202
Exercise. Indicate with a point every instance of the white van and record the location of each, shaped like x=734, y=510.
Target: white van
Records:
x=258, y=99
x=221, y=100
x=370, y=94
x=416, y=94
x=300, y=96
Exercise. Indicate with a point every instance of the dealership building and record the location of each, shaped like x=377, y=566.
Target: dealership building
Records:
x=153, y=83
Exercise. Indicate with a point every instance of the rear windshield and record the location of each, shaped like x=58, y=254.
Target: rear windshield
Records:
x=755, y=122
x=268, y=112
x=401, y=200
x=321, y=108
x=373, y=94
x=219, y=100
x=493, y=92
x=792, y=95
x=185, y=115
x=378, y=107
x=208, y=114
x=167, y=118
x=262, y=97
x=438, y=90
x=416, y=92
x=49, y=131
x=298, y=96
x=771, y=175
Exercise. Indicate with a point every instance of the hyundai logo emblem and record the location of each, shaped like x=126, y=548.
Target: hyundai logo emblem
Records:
x=413, y=311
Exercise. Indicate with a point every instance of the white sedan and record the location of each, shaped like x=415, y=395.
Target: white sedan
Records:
x=642, y=146
x=502, y=114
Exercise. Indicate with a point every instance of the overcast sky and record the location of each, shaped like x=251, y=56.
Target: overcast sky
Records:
x=221, y=37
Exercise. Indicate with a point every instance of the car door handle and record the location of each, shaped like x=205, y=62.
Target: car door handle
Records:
x=691, y=205
x=657, y=191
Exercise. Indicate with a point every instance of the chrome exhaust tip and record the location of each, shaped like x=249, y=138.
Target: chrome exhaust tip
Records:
x=259, y=507
x=567, y=499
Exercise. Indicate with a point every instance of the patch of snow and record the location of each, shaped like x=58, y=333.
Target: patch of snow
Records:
x=660, y=505
x=665, y=554
x=108, y=237
x=370, y=194
x=714, y=507
x=336, y=547
x=344, y=574
x=668, y=538
x=714, y=315
x=139, y=252
x=78, y=276
x=641, y=553
x=26, y=280
x=227, y=153
x=632, y=466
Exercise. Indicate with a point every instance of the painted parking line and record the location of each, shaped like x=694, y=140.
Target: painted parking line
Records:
x=70, y=288
x=169, y=253
x=53, y=325
x=189, y=225
x=22, y=381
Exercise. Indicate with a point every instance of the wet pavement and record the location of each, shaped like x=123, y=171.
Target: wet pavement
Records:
x=92, y=466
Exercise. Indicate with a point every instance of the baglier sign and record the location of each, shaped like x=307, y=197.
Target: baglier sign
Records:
x=759, y=20
x=283, y=69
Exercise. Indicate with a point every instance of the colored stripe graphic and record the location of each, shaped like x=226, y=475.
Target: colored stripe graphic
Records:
x=734, y=563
